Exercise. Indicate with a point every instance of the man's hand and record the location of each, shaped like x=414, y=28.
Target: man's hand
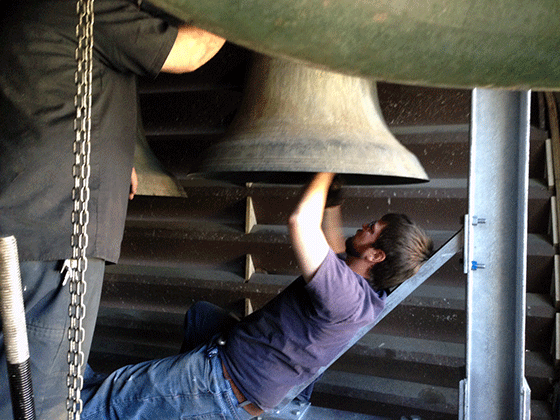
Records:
x=133, y=184
x=335, y=196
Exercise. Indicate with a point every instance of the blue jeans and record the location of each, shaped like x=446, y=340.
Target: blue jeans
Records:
x=190, y=385
x=187, y=386
x=46, y=310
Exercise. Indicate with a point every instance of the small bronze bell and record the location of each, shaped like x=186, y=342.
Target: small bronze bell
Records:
x=153, y=178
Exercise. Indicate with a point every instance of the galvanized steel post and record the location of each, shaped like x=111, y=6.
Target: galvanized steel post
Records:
x=496, y=258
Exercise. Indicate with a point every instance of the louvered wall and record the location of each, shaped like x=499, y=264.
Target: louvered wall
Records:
x=180, y=250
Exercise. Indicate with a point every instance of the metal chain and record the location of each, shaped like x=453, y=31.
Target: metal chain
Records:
x=80, y=197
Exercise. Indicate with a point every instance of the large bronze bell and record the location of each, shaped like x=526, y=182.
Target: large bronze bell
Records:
x=295, y=120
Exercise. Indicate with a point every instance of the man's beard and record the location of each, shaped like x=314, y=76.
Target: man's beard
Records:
x=350, y=250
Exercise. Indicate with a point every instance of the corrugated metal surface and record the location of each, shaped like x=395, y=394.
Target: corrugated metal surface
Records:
x=180, y=250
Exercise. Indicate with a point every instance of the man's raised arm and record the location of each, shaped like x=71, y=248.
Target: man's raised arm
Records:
x=307, y=237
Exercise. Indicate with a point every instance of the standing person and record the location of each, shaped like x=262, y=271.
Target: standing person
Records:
x=237, y=370
x=37, y=88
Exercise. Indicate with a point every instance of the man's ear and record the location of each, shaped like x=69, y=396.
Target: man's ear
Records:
x=375, y=255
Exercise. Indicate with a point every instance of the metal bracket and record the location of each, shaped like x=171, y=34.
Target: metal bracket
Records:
x=250, y=216
x=468, y=262
x=295, y=410
x=463, y=399
x=526, y=400
x=467, y=240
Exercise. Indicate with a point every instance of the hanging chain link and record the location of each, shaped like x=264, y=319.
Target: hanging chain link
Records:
x=77, y=266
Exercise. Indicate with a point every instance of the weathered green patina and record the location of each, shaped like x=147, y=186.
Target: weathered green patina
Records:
x=456, y=43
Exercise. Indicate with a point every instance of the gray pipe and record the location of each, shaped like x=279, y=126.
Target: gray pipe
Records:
x=15, y=332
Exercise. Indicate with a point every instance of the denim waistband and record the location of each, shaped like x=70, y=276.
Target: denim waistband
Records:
x=230, y=400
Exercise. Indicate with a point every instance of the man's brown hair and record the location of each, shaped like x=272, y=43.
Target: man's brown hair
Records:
x=406, y=247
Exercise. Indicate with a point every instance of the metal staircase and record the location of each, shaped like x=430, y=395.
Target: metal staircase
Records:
x=178, y=250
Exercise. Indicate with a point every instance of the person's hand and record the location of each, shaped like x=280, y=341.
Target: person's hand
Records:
x=133, y=184
x=335, y=196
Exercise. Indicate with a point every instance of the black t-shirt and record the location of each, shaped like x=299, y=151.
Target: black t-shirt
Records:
x=37, y=89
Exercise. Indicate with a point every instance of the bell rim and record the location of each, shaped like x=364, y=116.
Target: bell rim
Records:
x=302, y=177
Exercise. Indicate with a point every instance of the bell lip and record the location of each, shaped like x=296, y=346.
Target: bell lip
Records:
x=302, y=177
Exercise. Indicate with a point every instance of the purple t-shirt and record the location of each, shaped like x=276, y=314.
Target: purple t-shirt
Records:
x=299, y=331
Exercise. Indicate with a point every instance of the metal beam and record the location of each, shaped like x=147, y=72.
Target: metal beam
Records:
x=298, y=410
x=496, y=258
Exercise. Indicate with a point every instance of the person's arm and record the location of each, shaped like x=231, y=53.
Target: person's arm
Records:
x=133, y=184
x=332, y=227
x=308, y=240
x=193, y=47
